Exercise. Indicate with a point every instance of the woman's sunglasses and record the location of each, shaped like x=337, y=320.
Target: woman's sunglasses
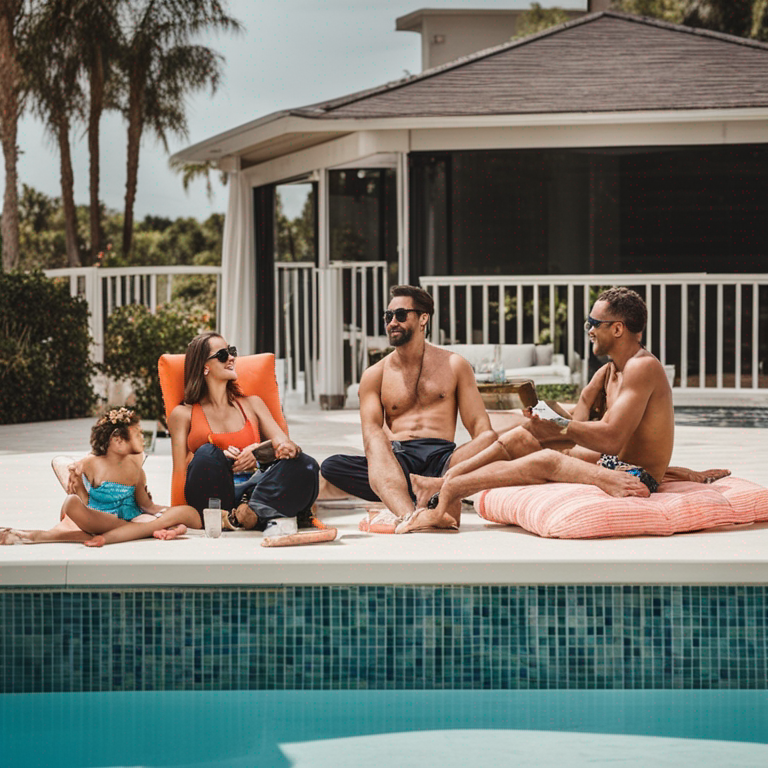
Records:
x=223, y=354
x=401, y=315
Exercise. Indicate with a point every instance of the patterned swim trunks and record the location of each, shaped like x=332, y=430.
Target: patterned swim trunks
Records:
x=613, y=462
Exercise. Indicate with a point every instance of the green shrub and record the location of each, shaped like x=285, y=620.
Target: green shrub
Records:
x=45, y=364
x=135, y=339
x=562, y=393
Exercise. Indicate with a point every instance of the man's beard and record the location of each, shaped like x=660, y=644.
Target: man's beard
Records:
x=403, y=337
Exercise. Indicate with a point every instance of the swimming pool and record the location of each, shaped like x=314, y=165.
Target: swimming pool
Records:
x=393, y=728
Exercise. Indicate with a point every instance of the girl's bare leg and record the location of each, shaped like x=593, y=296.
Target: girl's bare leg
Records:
x=175, y=521
x=78, y=524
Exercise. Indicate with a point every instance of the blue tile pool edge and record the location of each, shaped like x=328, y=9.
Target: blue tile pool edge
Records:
x=394, y=637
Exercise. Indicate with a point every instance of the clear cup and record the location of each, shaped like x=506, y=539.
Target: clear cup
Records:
x=212, y=518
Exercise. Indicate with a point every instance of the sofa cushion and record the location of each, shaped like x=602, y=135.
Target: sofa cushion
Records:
x=568, y=511
x=518, y=355
x=543, y=354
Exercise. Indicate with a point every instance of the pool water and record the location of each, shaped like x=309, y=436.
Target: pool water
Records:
x=389, y=728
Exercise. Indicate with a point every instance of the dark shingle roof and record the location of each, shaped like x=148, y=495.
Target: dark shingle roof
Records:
x=606, y=62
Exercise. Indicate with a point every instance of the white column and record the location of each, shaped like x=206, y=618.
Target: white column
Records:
x=237, y=301
x=403, y=255
x=330, y=318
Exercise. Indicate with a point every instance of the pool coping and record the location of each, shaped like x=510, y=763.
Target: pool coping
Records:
x=482, y=553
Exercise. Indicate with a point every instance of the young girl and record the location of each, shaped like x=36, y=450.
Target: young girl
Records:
x=111, y=502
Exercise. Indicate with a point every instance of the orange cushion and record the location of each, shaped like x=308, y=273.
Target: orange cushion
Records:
x=255, y=375
x=567, y=511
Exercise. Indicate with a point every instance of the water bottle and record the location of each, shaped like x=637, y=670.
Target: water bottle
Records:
x=498, y=374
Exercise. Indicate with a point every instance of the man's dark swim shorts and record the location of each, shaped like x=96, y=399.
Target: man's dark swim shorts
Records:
x=612, y=462
x=425, y=456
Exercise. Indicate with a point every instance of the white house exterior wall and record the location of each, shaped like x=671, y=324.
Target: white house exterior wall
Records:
x=347, y=149
x=616, y=135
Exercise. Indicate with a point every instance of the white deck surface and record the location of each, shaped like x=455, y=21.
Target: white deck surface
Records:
x=482, y=553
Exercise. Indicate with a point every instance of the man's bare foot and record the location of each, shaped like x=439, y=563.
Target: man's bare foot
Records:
x=96, y=541
x=425, y=520
x=692, y=476
x=10, y=536
x=708, y=475
x=425, y=488
x=167, y=534
x=379, y=520
x=619, y=483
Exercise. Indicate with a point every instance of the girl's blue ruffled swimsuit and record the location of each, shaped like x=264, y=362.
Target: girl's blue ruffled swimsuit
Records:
x=114, y=498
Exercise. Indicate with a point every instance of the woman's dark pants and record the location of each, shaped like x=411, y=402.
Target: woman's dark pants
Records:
x=286, y=488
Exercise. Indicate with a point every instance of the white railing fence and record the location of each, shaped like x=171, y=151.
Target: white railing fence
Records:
x=333, y=313
x=712, y=328
x=107, y=288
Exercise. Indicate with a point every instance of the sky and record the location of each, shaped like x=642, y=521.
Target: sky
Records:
x=292, y=53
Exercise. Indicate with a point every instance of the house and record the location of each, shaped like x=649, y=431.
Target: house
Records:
x=512, y=182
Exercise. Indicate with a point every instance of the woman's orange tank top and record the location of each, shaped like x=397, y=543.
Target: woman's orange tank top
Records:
x=200, y=432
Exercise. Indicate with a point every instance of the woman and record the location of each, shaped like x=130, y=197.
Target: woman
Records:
x=223, y=429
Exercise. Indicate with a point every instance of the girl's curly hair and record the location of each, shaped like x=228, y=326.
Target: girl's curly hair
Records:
x=115, y=421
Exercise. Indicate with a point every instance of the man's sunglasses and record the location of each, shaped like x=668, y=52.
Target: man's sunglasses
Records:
x=401, y=315
x=223, y=354
x=590, y=322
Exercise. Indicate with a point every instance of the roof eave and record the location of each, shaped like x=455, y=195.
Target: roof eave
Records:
x=239, y=140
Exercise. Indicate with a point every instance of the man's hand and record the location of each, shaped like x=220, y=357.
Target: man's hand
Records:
x=287, y=450
x=544, y=430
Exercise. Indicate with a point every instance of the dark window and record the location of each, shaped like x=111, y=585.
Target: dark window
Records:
x=588, y=211
x=363, y=215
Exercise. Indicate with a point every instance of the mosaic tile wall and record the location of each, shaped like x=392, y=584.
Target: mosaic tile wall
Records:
x=384, y=637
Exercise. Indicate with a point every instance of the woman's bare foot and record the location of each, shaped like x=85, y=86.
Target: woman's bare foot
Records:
x=617, y=483
x=167, y=534
x=96, y=541
x=425, y=488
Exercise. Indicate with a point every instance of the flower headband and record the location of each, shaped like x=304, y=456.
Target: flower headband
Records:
x=120, y=415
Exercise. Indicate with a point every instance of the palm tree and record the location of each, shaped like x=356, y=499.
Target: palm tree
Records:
x=192, y=171
x=11, y=102
x=98, y=36
x=51, y=64
x=161, y=66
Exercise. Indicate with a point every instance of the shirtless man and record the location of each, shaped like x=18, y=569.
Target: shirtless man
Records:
x=635, y=435
x=408, y=407
x=409, y=402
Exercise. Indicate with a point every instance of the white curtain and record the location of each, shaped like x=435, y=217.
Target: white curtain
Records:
x=237, y=306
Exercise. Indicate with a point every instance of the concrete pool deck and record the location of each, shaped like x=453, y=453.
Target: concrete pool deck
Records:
x=483, y=553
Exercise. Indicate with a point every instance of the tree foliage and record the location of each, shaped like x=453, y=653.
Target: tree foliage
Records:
x=537, y=19
x=134, y=341
x=11, y=103
x=161, y=65
x=672, y=11
x=78, y=58
x=45, y=366
x=52, y=64
x=742, y=18
x=158, y=241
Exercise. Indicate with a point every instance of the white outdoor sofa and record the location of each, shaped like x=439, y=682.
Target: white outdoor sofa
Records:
x=533, y=361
